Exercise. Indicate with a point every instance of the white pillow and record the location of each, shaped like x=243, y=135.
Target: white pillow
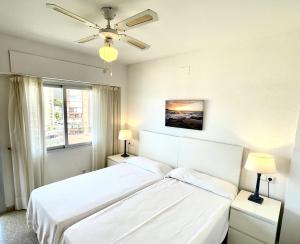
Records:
x=150, y=165
x=220, y=187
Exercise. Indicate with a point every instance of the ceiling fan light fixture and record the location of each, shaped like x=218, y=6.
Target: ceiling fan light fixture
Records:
x=108, y=53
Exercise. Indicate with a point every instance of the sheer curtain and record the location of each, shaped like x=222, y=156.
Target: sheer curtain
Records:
x=27, y=136
x=105, y=123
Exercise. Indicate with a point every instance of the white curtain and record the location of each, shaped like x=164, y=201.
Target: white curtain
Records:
x=106, y=123
x=27, y=136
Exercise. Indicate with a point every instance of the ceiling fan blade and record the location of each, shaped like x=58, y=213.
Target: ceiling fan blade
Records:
x=134, y=42
x=137, y=20
x=88, y=38
x=72, y=15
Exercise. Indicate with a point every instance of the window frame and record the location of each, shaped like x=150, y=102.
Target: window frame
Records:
x=65, y=112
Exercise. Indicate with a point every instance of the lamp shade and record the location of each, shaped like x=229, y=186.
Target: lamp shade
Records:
x=261, y=163
x=125, y=135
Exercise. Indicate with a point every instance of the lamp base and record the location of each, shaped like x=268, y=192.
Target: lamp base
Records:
x=255, y=198
x=125, y=155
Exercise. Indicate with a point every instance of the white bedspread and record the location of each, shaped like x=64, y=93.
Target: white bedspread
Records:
x=55, y=207
x=169, y=211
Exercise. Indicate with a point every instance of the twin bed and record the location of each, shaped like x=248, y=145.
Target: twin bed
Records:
x=144, y=201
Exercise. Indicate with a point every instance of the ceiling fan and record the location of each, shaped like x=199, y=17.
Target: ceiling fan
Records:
x=109, y=34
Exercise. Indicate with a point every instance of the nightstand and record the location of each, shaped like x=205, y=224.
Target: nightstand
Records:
x=115, y=159
x=252, y=223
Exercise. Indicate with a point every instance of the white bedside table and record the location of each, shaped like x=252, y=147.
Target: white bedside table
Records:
x=115, y=159
x=252, y=223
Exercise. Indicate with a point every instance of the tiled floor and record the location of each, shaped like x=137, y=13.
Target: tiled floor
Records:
x=13, y=229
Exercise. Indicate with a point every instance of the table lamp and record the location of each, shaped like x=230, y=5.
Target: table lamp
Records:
x=125, y=135
x=261, y=164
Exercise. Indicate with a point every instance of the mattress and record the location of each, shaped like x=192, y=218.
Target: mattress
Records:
x=169, y=211
x=55, y=207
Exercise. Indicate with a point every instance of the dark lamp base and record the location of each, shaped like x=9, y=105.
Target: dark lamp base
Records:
x=256, y=199
x=125, y=155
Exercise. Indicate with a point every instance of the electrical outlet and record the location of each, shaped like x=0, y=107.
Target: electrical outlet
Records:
x=267, y=177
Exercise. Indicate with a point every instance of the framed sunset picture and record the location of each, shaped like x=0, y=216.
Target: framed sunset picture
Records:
x=186, y=114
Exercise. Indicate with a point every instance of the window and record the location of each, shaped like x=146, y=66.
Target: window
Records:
x=67, y=116
x=54, y=116
x=78, y=114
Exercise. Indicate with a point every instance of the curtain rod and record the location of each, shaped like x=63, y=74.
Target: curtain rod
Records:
x=56, y=79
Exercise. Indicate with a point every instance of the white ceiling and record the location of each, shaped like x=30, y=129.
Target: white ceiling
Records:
x=183, y=25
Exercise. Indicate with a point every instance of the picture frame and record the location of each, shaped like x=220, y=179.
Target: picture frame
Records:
x=187, y=114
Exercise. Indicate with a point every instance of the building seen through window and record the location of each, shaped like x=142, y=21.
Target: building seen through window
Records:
x=76, y=108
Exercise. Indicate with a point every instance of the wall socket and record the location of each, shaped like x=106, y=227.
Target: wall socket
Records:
x=266, y=177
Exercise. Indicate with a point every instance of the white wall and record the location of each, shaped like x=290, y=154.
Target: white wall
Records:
x=251, y=92
x=291, y=217
x=61, y=163
x=75, y=160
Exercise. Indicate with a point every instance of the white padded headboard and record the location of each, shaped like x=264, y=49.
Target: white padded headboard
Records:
x=214, y=158
x=159, y=147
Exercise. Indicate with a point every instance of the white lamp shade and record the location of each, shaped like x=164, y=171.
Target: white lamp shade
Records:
x=125, y=135
x=261, y=163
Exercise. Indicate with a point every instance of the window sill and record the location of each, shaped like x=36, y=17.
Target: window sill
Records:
x=85, y=144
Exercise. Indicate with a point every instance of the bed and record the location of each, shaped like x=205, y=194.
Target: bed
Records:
x=189, y=206
x=54, y=207
x=170, y=211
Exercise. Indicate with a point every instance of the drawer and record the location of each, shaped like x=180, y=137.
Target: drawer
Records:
x=236, y=237
x=257, y=228
x=111, y=163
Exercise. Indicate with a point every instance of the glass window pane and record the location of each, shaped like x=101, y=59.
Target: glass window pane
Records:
x=78, y=110
x=54, y=116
